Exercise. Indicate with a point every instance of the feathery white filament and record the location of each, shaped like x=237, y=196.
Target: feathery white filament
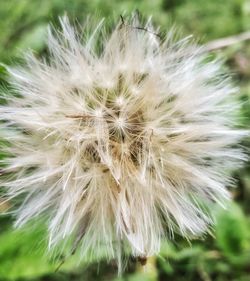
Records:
x=119, y=146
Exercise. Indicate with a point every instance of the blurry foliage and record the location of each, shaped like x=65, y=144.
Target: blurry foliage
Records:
x=19, y=256
x=226, y=256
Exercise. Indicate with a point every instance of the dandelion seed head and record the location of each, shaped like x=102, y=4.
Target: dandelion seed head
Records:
x=123, y=147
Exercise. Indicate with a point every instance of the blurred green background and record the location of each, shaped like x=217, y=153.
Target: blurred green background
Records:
x=224, y=255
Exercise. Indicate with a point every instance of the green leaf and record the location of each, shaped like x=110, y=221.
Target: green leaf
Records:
x=232, y=232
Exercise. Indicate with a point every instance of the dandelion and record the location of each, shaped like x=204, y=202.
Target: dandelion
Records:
x=119, y=140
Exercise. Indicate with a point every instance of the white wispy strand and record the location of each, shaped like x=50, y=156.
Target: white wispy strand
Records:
x=120, y=139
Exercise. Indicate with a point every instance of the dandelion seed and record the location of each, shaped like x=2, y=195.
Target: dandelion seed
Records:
x=127, y=145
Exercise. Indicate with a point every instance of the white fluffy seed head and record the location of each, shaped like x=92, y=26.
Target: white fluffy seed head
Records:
x=120, y=140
